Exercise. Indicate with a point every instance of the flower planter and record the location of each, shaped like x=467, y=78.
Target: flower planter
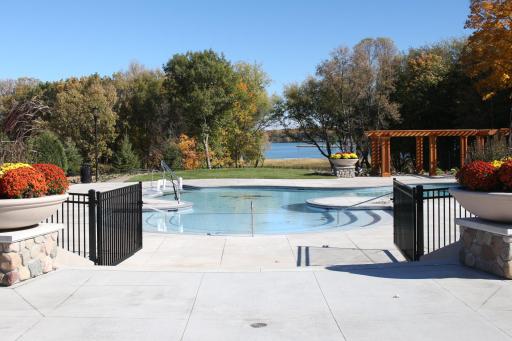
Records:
x=22, y=213
x=344, y=162
x=494, y=206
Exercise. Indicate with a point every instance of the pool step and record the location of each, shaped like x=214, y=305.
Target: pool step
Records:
x=352, y=203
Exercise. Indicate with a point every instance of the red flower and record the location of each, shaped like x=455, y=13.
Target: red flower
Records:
x=504, y=174
x=55, y=178
x=23, y=182
x=478, y=176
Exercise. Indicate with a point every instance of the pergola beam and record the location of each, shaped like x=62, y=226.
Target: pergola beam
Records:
x=381, y=145
x=437, y=132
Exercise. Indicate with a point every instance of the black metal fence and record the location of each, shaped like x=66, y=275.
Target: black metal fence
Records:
x=105, y=227
x=407, y=221
x=424, y=219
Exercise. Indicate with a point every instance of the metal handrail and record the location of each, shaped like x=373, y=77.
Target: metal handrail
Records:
x=167, y=169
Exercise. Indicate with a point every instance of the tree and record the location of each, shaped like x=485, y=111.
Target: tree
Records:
x=350, y=94
x=143, y=111
x=73, y=114
x=489, y=48
x=47, y=148
x=200, y=87
x=75, y=160
x=307, y=107
x=336, y=73
x=125, y=159
x=374, y=66
x=244, y=127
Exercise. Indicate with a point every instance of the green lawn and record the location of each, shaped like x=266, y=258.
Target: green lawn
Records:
x=242, y=173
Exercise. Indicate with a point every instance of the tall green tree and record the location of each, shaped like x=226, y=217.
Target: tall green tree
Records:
x=244, y=127
x=72, y=116
x=143, y=111
x=351, y=93
x=200, y=88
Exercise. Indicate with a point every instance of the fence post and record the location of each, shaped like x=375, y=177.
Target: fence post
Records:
x=139, y=214
x=420, y=248
x=92, y=225
x=99, y=229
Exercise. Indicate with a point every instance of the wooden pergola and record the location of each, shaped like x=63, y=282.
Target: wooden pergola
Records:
x=381, y=145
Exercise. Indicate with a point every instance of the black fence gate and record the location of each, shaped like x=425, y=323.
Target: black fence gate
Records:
x=407, y=220
x=424, y=219
x=105, y=227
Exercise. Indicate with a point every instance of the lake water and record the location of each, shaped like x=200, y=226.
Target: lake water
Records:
x=292, y=150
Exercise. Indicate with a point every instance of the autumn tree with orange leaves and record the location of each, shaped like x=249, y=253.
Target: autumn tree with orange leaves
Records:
x=488, y=56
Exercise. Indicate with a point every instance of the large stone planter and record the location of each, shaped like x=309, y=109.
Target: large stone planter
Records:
x=22, y=213
x=494, y=206
x=344, y=162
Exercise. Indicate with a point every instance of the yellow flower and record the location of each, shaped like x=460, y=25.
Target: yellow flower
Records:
x=497, y=163
x=9, y=166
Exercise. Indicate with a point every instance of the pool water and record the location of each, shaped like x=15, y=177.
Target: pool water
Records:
x=245, y=211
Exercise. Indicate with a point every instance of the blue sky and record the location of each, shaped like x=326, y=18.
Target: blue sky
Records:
x=53, y=39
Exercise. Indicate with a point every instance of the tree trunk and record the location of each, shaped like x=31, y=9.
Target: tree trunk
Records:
x=207, y=151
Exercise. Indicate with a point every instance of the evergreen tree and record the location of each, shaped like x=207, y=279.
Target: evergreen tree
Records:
x=47, y=148
x=125, y=159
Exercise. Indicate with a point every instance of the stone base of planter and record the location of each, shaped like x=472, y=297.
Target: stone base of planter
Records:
x=28, y=253
x=345, y=172
x=486, y=246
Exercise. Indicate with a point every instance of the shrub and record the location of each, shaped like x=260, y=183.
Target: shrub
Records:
x=172, y=155
x=24, y=182
x=478, y=176
x=504, y=174
x=47, y=148
x=496, y=148
x=125, y=159
x=55, y=178
x=188, y=149
x=75, y=160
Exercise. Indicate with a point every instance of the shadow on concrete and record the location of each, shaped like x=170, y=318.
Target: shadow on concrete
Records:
x=412, y=271
x=325, y=255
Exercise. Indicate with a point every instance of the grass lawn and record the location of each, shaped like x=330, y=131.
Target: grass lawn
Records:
x=242, y=173
x=306, y=163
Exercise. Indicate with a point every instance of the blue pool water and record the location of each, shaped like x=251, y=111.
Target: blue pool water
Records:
x=274, y=211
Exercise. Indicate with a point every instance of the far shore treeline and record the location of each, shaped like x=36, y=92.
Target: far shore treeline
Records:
x=203, y=110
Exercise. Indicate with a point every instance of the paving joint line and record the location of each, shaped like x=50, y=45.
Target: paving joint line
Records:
x=358, y=248
x=192, y=308
x=329, y=307
x=476, y=311
x=223, y=248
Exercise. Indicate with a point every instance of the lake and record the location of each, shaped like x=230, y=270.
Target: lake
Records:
x=291, y=150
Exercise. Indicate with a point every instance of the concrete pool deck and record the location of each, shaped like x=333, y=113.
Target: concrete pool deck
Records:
x=331, y=285
x=357, y=182
x=365, y=302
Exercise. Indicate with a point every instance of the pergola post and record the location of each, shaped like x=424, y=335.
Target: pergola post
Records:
x=419, y=154
x=480, y=142
x=463, y=149
x=432, y=147
x=385, y=156
x=375, y=154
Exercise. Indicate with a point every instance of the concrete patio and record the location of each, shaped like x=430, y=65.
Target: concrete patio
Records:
x=333, y=285
x=359, y=302
x=300, y=251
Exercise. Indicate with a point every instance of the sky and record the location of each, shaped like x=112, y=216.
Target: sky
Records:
x=52, y=40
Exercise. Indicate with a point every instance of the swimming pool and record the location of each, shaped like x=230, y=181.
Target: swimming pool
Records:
x=244, y=211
